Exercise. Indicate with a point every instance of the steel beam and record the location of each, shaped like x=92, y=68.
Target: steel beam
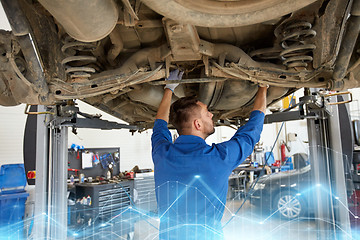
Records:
x=287, y=116
x=96, y=123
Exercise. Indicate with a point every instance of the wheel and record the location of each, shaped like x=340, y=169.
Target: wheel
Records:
x=289, y=205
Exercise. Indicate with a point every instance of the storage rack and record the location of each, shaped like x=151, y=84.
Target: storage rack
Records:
x=108, y=216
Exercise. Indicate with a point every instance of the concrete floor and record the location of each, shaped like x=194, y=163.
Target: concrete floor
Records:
x=247, y=224
x=253, y=223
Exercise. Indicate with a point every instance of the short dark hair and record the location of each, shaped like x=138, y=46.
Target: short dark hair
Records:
x=181, y=111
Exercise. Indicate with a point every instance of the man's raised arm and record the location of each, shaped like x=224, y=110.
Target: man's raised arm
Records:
x=164, y=107
x=260, y=100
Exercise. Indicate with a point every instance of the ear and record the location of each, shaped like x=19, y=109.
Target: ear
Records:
x=197, y=124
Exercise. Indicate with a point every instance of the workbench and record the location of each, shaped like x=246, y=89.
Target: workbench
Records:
x=255, y=171
x=242, y=178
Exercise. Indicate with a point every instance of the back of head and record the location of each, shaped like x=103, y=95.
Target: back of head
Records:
x=182, y=111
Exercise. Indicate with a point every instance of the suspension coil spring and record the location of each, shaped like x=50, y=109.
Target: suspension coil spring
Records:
x=293, y=39
x=78, y=59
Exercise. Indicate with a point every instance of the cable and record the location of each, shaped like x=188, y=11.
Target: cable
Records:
x=257, y=179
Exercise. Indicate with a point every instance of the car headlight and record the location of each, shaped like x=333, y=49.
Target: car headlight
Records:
x=259, y=186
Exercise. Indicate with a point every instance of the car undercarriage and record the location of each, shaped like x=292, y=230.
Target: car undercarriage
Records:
x=115, y=55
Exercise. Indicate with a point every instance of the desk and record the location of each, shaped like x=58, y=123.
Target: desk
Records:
x=256, y=170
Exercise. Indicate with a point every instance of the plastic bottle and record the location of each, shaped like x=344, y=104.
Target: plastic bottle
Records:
x=82, y=178
x=88, y=200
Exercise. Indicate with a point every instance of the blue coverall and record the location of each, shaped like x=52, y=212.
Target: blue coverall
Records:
x=191, y=178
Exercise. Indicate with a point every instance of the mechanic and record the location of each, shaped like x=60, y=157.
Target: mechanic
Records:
x=191, y=177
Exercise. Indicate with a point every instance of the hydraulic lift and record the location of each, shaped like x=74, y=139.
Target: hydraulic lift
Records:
x=321, y=111
x=50, y=214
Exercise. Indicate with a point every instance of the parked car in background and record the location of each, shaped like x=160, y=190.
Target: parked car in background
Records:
x=288, y=193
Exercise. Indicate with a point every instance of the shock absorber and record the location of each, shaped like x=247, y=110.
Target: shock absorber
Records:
x=78, y=58
x=293, y=39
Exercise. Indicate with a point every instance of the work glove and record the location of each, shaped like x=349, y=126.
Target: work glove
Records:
x=263, y=85
x=174, y=75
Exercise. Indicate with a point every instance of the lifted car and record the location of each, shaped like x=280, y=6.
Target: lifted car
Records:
x=115, y=54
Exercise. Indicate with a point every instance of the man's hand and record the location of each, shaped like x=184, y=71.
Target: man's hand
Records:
x=164, y=107
x=174, y=75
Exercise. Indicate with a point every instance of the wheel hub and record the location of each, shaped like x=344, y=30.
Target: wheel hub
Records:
x=289, y=206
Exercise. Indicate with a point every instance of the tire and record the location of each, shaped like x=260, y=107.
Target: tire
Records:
x=289, y=206
x=210, y=13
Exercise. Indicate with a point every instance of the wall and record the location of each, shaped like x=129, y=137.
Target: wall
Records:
x=271, y=131
x=355, y=104
x=134, y=149
x=4, y=23
x=12, y=124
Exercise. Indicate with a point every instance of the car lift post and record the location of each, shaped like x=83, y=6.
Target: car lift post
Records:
x=342, y=216
x=41, y=182
x=58, y=180
x=328, y=170
x=327, y=164
x=52, y=163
